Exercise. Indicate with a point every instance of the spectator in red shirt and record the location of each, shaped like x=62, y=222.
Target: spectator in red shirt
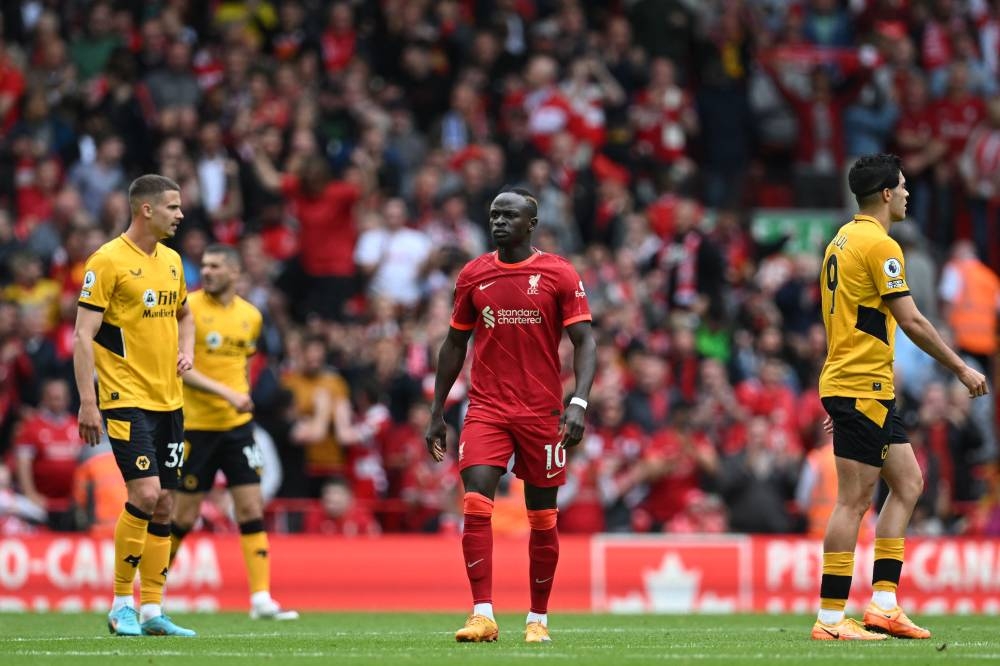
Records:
x=820, y=114
x=339, y=39
x=46, y=447
x=549, y=111
x=717, y=411
x=673, y=465
x=601, y=488
x=337, y=513
x=918, y=146
x=955, y=116
x=11, y=89
x=980, y=167
x=771, y=397
x=664, y=117
x=324, y=279
x=759, y=482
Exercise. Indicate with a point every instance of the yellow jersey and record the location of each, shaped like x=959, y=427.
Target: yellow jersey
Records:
x=225, y=336
x=862, y=269
x=135, y=350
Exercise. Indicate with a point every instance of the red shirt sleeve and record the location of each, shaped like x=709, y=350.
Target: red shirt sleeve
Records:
x=463, y=313
x=343, y=192
x=290, y=185
x=572, y=298
x=26, y=437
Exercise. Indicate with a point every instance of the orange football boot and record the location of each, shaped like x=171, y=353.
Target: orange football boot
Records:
x=478, y=629
x=892, y=622
x=536, y=632
x=847, y=629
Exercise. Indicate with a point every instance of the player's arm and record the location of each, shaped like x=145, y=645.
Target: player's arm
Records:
x=88, y=322
x=199, y=380
x=584, y=368
x=185, y=339
x=923, y=334
x=451, y=358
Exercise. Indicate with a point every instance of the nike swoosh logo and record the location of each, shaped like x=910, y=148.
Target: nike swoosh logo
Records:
x=487, y=285
x=472, y=564
x=137, y=273
x=888, y=617
x=835, y=634
x=550, y=475
x=543, y=581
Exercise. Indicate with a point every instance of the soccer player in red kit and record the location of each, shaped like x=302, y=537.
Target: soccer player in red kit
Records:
x=517, y=301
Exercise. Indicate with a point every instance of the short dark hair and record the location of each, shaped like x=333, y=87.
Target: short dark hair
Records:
x=231, y=254
x=871, y=174
x=148, y=186
x=528, y=196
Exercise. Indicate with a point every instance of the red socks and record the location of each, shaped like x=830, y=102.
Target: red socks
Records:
x=543, y=553
x=477, y=545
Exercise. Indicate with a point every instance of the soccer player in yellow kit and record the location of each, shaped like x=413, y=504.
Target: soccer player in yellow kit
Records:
x=219, y=428
x=134, y=328
x=865, y=295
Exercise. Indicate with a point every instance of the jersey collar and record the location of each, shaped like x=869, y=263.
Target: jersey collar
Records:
x=858, y=217
x=128, y=241
x=535, y=253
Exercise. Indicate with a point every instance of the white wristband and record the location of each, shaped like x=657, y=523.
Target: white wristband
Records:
x=575, y=400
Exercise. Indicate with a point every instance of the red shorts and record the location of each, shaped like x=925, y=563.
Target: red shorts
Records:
x=539, y=458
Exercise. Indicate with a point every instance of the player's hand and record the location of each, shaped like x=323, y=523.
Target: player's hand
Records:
x=571, y=426
x=974, y=380
x=828, y=425
x=436, y=438
x=242, y=402
x=91, y=426
x=183, y=363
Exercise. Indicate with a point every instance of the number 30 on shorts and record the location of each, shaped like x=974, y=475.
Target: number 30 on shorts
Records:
x=175, y=454
x=555, y=453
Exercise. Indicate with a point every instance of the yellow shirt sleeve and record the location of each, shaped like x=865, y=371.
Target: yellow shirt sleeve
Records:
x=887, y=269
x=99, y=281
x=256, y=327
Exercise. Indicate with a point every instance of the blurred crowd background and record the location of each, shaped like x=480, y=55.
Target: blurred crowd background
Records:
x=350, y=150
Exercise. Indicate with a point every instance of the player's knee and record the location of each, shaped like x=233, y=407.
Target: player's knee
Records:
x=144, y=498
x=186, y=513
x=910, y=489
x=858, y=503
x=477, y=504
x=248, y=512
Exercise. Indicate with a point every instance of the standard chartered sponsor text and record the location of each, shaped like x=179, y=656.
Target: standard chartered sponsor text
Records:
x=519, y=316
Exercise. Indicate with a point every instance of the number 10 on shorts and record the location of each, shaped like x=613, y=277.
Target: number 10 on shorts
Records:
x=555, y=453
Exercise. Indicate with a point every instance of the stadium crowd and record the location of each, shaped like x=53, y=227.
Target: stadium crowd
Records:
x=350, y=151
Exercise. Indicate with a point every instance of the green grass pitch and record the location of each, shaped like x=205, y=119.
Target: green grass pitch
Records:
x=426, y=638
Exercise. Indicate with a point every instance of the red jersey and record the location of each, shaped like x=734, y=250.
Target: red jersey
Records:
x=658, y=117
x=955, y=120
x=327, y=232
x=357, y=521
x=668, y=494
x=517, y=312
x=53, y=443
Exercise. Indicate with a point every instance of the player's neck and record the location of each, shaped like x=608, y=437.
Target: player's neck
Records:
x=223, y=298
x=142, y=238
x=880, y=215
x=516, y=254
